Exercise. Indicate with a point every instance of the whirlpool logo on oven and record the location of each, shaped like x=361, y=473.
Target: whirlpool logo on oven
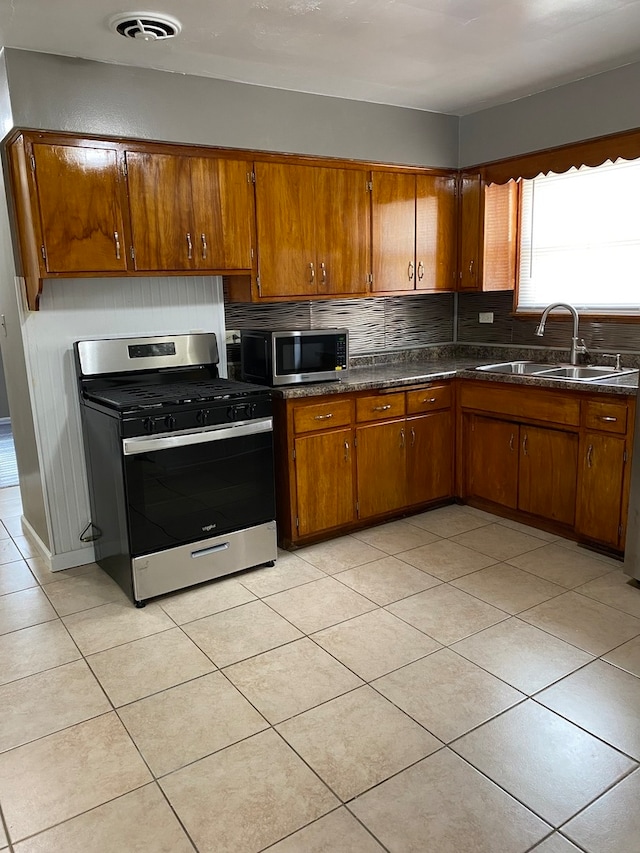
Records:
x=209, y=527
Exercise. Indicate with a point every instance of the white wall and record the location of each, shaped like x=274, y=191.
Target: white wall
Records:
x=77, y=309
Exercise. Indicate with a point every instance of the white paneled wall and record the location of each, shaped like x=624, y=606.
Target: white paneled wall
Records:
x=77, y=309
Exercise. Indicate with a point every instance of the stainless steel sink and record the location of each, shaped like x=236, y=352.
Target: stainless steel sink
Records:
x=567, y=372
x=516, y=367
x=587, y=373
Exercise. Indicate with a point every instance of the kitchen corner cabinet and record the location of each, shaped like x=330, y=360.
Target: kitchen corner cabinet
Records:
x=488, y=216
x=413, y=219
x=189, y=213
x=345, y=460
x=71, y=206
x=313, y=227
x=559, y=459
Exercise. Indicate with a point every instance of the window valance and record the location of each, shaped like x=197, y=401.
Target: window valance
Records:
x=591, y=152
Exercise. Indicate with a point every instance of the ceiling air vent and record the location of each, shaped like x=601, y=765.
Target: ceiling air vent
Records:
x=147, y=26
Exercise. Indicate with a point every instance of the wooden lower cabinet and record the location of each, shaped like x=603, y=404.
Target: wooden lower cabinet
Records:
x=347, y=459
x=491, y=460
x=548, y=473
x=324, y=481
x=382, y=468
x=600, y=488
x=430, y=447
x=570, y=473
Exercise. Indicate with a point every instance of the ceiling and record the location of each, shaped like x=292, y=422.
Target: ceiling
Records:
x=449, y=56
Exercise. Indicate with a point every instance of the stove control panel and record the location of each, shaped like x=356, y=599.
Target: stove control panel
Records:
x=196, y=416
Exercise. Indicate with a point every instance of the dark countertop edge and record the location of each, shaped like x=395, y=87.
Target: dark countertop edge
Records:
x=413, y=373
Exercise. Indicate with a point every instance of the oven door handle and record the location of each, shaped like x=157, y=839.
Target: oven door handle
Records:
x=150, y=443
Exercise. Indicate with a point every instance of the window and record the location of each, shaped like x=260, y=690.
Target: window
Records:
x=580, y=239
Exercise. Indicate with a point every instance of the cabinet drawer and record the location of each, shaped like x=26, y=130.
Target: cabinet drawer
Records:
x=428, y=399
x=379, y=407
x=334, y=413
x=605, y=415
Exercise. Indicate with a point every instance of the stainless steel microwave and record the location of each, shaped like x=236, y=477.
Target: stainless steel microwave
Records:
x=290, y=358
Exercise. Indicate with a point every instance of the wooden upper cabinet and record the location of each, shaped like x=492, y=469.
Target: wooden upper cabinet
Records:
x=223, y=213
x=342, y=230
x=313, y=230
x=471, y=221
x=160, y=204
x=285, y=226
x=435, y=232
x=488, y=219
x=189, y=213
x=394, y=231
x=79, y=194
x=414, y=224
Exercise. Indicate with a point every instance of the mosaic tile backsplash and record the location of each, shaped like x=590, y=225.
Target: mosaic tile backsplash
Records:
x=382, y=326
x=375, y=325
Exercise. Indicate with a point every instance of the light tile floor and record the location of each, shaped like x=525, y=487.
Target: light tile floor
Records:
x=450, y=682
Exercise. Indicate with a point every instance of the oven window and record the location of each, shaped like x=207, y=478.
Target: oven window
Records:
x=185, y=494
x=307, y=354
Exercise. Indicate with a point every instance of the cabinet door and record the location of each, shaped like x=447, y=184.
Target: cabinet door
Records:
x=435, y=233
x=381, y=455
x=548, y=473
x=430, y=457
x=324, y=481
x=492, y=460
x=160, y=206
x=79, y=197
x=394, y=227
x=285, y=221
x=222, y=202
x=602, y=461
x=342, y=230
x=469, y=273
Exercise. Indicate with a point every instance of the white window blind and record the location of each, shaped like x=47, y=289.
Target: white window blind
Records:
x=580, y=239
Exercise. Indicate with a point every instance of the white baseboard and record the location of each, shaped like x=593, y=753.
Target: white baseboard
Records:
x=58, y=562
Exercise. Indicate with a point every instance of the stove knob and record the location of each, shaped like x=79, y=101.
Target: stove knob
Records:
x=202, y=417
x=170, y=422
x=148, y=424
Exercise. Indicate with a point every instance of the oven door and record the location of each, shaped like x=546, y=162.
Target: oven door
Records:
x=184, y=487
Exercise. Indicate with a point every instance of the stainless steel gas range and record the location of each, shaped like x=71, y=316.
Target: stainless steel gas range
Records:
x=180, y=463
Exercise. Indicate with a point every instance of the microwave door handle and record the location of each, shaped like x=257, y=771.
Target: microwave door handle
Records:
x=151, y=443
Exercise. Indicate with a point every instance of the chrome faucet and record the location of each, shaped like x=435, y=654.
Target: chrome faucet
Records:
x=576, y=348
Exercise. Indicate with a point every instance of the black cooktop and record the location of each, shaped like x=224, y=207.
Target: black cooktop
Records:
x=133, y=395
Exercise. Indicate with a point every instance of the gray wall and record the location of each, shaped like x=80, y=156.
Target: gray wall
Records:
x=596, y=106
x=4, y=400
x=79, y=96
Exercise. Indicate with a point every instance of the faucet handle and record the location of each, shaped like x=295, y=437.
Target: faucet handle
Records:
x=617, y=357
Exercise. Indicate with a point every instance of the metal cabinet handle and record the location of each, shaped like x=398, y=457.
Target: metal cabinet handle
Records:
x=413, y=436
x=430, y=400
x=524, y=444
x=312, y=271
x=382, y=408
x=607, y=418
x=420, y=271
x=203, y=237
x=471, y=266
x=116, y=237
x=511, y=439
x=589, y=455
x=346, y=451
x=323, y=270
x=401, y=438
x=189, y=247
x=323, y=417
x=410, y=271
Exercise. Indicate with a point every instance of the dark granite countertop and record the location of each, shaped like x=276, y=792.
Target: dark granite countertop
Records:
x=403, y=373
